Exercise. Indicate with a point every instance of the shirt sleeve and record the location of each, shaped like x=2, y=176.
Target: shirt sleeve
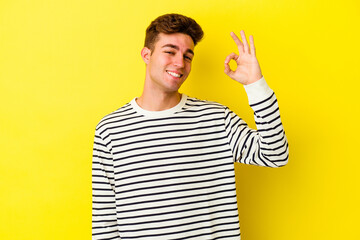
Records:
x=104, y=224
x=267, y=146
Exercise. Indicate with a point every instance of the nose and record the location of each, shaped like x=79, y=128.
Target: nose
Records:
x=179, y=61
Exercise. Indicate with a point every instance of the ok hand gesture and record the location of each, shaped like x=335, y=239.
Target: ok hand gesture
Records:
x=248, y=69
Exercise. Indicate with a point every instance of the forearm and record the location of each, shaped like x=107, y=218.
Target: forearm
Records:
x=267, y=146
x=271, y=146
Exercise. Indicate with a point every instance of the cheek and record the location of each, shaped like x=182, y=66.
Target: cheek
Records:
x=165, y=61
x=188, y=67
x=160, y=59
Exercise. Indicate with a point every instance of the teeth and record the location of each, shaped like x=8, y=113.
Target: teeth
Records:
x=174, y=74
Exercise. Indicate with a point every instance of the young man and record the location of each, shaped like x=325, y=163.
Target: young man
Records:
x=163, y=163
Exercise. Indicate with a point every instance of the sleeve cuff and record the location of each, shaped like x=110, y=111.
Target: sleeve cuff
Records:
x=258, y=91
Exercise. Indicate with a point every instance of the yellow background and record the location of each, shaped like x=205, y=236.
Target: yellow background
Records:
x=65, y=64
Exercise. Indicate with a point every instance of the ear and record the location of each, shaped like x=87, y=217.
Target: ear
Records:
x=145, y=54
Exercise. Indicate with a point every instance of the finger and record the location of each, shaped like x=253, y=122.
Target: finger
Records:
x=244, y=41
x=252, y=45
x=231, y=56
x=227, y=69
x=238, y=42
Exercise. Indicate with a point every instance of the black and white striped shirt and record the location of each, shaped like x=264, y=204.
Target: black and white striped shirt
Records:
x=170, y=174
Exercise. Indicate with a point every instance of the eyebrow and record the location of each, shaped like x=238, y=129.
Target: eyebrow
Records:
x=177, y=48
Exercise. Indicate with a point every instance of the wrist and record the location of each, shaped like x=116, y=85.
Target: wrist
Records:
x=257, y=91
x=259, y=77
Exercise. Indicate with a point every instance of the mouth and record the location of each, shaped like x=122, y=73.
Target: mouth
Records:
x=174, y=74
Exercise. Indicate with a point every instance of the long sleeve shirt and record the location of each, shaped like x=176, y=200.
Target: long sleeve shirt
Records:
x=170, y=174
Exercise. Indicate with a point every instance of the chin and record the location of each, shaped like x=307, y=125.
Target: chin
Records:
x=174, y=85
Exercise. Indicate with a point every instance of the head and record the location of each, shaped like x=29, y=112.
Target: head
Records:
x=168, y=51
x=172, y=23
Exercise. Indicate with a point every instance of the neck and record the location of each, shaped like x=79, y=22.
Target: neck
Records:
x=158, y=101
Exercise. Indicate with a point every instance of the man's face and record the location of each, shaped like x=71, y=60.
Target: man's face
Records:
x=169, y=64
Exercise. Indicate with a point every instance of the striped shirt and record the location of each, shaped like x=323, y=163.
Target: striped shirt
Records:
x=170, y=174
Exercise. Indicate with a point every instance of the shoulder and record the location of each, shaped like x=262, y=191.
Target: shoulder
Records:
x=199, y=103
x=117, y=116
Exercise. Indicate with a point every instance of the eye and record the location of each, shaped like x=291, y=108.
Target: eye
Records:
x=169, y=52
x=188, y=58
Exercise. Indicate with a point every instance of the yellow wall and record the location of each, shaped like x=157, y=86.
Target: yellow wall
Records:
x=65, y=64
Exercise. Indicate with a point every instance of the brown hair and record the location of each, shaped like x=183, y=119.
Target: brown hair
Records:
x=172, y=23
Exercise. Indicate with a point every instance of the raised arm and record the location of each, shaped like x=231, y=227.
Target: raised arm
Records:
x=267, y=146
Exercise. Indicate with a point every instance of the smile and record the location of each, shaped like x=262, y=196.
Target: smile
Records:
x=174, y=74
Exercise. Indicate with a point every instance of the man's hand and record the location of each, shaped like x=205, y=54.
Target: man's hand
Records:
x=248, y=69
